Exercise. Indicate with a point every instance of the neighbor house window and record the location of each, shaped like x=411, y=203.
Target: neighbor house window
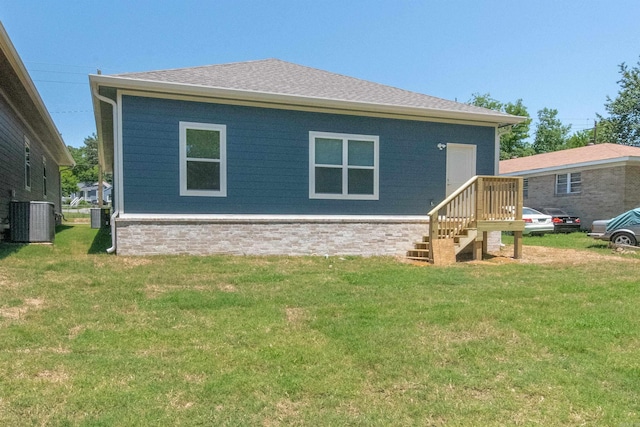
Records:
x=44, y=176
x=569, y=183
x=203, y=162
x=27, y=164
x=343, y=166
x=525, y=188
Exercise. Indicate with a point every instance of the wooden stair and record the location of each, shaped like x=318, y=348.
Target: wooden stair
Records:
x=420, y=251
x=483, y=204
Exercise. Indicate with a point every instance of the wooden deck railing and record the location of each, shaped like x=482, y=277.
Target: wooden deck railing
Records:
x=481, y=199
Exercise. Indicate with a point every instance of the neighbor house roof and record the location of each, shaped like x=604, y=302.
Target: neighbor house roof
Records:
x=273, y=80
x=17, y=87
x=590, y=155
x=93, y=185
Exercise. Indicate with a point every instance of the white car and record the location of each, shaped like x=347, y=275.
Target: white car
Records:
x=536, y=223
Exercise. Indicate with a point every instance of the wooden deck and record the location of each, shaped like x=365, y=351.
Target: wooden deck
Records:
x=482, y=205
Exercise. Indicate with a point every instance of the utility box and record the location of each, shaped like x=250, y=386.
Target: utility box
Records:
x=32, y=222
x=99, y=217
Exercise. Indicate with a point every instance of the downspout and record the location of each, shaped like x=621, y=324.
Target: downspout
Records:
x=116, y=164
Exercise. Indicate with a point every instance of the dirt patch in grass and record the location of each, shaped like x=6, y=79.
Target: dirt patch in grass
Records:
x=195, y=378
x=44, y=350
x=18, y=312
x=56, y=376
x=34, y=302
x=295, y=315
x=13, y=312
x=155, y=291
x=227, y=287
x=77, y=220
x=547, y=255
x=123, y=262
x=541, y=255
x=286, y=413
x=6, y=280
x=75, y=331
x=178, y=401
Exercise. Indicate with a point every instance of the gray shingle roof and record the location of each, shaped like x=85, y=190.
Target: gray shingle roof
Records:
x=274, y=76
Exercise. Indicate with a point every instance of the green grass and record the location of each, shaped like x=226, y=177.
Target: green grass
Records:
x=577, y=240
x=91, y=339
x=72, y=216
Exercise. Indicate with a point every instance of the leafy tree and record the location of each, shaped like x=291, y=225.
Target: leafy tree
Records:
x=580, y=139
x=485, y=101
x=605, y=130
x=86, y=168
x=551, y=134
x=91, y=149
x=623, y=124
x=86, y=157
x=68, y=181
x=513, y=141
x=586, y=136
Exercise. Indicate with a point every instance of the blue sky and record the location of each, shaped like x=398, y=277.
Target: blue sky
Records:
x=555, y=54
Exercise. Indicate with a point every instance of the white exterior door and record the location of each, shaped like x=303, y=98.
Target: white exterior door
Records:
x=461, y=165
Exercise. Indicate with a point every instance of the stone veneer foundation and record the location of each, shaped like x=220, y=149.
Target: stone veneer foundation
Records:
x=316, y=236
x=307, y=236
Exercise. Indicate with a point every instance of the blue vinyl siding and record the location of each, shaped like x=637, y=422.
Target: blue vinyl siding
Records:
x=268, y=159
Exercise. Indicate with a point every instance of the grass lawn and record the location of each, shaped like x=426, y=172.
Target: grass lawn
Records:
x=71, y=216
x=92, y=339
x=563, y=241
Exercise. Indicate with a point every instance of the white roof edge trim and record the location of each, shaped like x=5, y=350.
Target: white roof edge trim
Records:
x=609, y=162
x=191, y=89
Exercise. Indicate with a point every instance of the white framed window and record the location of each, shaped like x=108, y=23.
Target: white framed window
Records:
x=44, y=176
x=203, y=159
x=569, y=183
x=343, y=166
x=27, y=164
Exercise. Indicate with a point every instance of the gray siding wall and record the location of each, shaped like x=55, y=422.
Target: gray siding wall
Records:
x=268, y=159
x=12, y=170
x=606, y=193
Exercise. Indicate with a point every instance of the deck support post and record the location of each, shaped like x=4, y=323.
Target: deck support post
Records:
x=478, y=250
x=485, y=242
x=517, y=244
x=480, y=246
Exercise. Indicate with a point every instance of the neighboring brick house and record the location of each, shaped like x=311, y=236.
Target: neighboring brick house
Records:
x=595, y=182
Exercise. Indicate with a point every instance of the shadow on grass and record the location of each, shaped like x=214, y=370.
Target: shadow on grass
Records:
x=101, y=242
x=65, y=238
x=7, y=248
x=598, y=246
x=63, y=227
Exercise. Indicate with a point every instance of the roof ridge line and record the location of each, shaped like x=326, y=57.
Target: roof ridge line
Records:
x=192, y=68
